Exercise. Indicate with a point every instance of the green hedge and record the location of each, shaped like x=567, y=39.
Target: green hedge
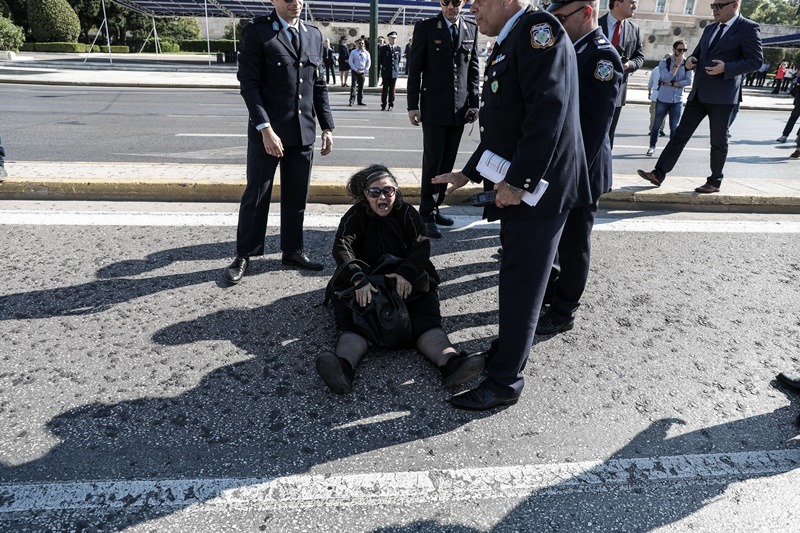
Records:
x=11, y=36
x=167, y=47
x=28, y=47
x=115, y=49
x=60, y=47
x=199, y=45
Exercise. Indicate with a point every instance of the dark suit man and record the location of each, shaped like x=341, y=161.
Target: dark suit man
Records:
x=278, y=60
x=599, y=79
x=530, y=117
x=442, y=95
x=389, y=63
x=728, y=49
x=626, y=38
x=3, y=172
x=328, y=61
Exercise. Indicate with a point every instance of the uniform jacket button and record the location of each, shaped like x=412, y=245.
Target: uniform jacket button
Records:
x=481, y=129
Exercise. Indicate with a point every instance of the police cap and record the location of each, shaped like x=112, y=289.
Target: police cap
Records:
x=558, y=4
x=392, y=34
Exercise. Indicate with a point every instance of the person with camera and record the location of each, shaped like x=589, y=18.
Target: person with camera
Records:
x=381, y=228
x=672, y=79
x=442, y=94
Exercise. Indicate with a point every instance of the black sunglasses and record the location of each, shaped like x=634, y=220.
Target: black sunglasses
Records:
x=681, y=49
x=375, y=192
x=720, y=6
x=562, y=18
x=455, y=3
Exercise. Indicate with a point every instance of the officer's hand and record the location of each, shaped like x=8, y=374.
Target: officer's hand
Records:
x=455, y=179
x=364, y=294
x=272, y=143
x=327, y=142
x=413, y=117
x=717, y=68
x=401, y=284
x=505, y=196
x=626, y=65
x=472, y=114
x=690, y=63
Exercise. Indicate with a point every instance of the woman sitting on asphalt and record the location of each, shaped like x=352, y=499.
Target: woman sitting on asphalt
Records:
x=381, y=223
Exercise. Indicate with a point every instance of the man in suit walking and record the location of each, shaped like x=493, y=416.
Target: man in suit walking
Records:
x=530, y=99
x=626, y=38
x=727, y=49
x=328, y=61
x=389, y=62
x=280, y=83
x=442, y=96
x=599, y=78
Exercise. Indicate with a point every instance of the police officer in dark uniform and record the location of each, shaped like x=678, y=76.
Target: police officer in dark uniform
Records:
x=442, y=95
x=389, y=62
x=278, y=60
x=599, y=79
x=530, y=117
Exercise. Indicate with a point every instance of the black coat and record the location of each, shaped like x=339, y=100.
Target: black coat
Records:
x=530, y=116
x=442, y=80
x=632, y=49
x=278, y=86
x=599, y=81
x=389, y=61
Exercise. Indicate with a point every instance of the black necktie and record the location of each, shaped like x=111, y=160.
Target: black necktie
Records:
x=717, y=37
x=295, y=40
x=454, y=34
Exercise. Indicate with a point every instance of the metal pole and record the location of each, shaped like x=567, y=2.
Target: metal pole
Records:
x=108, y=35
x=155, y=36
x=234, y=34
x=208, y=39
x=96, y=35
x=145, y=42
x=373, y=42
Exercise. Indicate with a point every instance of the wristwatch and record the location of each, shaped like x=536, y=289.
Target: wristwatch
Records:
x=516, y=190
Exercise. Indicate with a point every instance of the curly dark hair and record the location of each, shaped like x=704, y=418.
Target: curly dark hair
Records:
x=362, y=179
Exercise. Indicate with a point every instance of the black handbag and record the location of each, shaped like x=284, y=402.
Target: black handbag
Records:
x=385, y=321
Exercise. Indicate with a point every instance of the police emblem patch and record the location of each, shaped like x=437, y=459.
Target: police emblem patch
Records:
x=495, y=85
x=542, y=36
x=604, y=70
x=274, y=26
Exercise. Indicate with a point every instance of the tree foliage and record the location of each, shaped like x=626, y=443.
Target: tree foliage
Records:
x=785, y=12
x=53, y=21
x=11, y=36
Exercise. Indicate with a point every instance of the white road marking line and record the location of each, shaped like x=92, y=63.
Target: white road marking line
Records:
x=338, y=137
x=462, y=222
x=428, y=486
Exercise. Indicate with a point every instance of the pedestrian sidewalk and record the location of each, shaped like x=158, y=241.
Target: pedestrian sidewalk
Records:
x=193, y=71
x=225, y=183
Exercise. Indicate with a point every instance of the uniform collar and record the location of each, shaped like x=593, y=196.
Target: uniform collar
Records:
x=508, y=25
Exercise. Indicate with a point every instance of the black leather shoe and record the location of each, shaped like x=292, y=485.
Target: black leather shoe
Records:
x=235, y=271
x=650, y=176
x=480, y=399
x=442, y=220
x=432, y=231
x=391, y=107
x=551, y=323
x=301, y=260
x=335, y=372
x=708, y=188
x=461, y=368
x=790, y=381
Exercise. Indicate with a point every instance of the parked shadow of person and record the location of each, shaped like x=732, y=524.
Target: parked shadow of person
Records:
x=214, y=251
x=263, y=417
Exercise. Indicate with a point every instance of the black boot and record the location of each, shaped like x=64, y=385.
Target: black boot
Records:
x=336, y=372
x=461, y=368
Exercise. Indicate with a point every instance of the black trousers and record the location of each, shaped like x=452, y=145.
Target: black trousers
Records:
x=786, y=131
x=357, y=87
x=330, y=71
x=529, y=247
x=2, y=152
x=254, y=209
x=694, y=112
x=571, y=266
x=613, y=129
x=387, y=92
x=439, y=151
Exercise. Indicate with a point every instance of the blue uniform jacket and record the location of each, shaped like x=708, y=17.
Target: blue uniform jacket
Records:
x=389, y=61
x=530, y=115
x=280, y=88
x=600, y=79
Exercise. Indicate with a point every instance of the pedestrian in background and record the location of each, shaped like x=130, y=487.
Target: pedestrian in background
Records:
x=344, y=60
x=652, y=93
x=762, y=75
x=530, y=116
x=778, y=81
x=406, y=51
x=788, y=75
x=359, y=64
x=3, y=172
x=389, y=62
x=280, y=131
x=599, y=80
x=443, y=77
x=327, y=59
x=673, y=78
x=787, y=130
x=626, y=38
x=727, y=49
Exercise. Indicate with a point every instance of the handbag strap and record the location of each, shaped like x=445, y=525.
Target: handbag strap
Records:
x=329, y=289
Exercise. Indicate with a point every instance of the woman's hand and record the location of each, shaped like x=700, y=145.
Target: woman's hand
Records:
x=364, y=294
x=402, y=285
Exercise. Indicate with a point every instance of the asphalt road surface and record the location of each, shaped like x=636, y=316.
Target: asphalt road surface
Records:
x=42, y=123
x=138, y=391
